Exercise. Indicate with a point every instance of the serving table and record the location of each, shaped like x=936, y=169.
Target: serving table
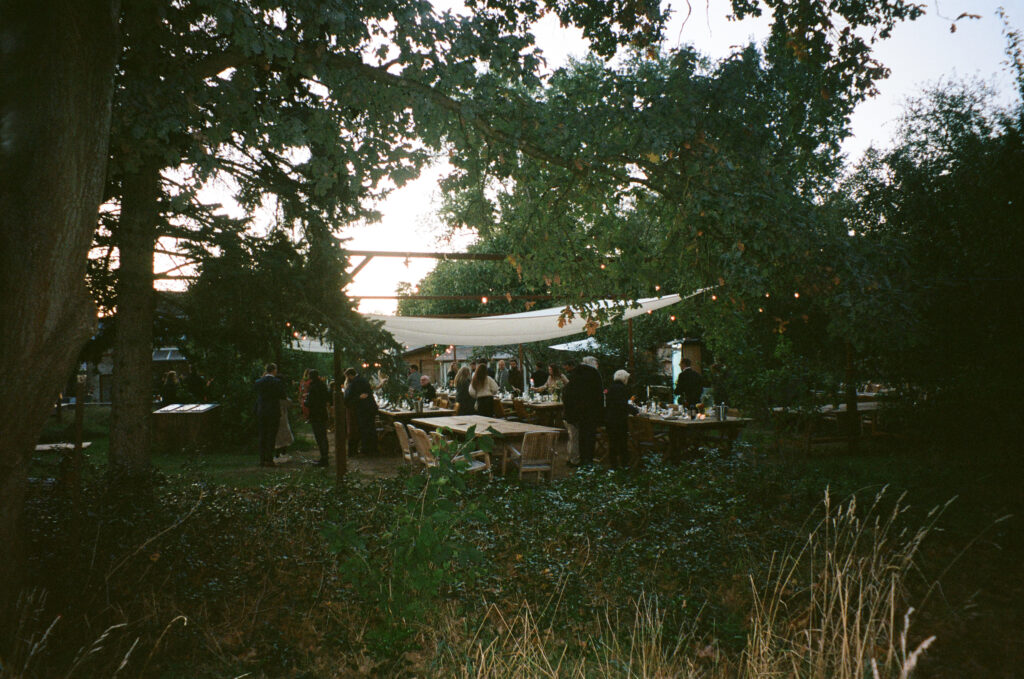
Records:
x=683, y=432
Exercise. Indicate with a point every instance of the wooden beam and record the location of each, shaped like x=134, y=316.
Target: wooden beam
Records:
x=493, y=297
x=360, y=265
x=429, y=255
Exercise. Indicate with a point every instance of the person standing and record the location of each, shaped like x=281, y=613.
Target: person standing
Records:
x=466, y=404
x=515, y=377
x=688, y=384
x=414, y=378
x=269, y=394
x=501, y=375
x=359, y=399
x=584, y=405
x=540, y=375
x=195, y=384
x=483, y=388
x=317, y=398
x=616, y=419
x=169, y=389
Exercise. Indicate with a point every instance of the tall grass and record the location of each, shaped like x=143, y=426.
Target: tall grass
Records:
x=833, y=607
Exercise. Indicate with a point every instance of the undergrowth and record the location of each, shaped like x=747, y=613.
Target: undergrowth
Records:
x=664, y=572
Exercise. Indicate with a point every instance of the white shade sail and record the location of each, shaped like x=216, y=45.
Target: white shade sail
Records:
x=482, y=331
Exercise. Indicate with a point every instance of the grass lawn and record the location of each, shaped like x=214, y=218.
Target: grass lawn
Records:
x=280, y=573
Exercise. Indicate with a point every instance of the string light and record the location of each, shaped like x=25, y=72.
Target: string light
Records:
x=657, y=288
x=672, y=318
x=767, y=295
x=483, y=300
x=796, y=295
x=760, y=310
x=714, y=298
x=602, y=265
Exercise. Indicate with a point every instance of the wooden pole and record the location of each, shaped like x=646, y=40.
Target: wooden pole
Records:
x=632, y=362
x=74, y=477
x=522, y=369
x=340, y=421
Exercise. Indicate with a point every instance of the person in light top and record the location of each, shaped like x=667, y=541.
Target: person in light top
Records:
x=483, y=388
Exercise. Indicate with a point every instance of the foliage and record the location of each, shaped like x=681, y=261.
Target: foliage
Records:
x=944, y=204
x=262, y=591
x=423, y=553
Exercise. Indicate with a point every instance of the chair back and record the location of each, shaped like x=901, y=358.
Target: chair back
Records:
x=456, y=408
x=421, y=443
x=538, y=451
x=520, y=409
x=499, y=409
x=404, y=444
x=641, y=430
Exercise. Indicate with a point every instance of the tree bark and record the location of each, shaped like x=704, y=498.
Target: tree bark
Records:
x=57, y=62
x=132, y=401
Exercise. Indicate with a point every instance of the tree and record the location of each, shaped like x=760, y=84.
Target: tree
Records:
x=55, y=100
x=944, y=204
x=309, y=108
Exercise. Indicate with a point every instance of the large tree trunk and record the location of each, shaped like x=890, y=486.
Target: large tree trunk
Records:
x=57, y=62
x=133, y=337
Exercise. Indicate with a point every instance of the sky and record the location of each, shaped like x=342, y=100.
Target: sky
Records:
x=919, y=54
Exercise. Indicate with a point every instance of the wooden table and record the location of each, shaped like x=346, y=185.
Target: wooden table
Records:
x=460, y=424
x=820, y=424
x=683, y=432
x=549, y=412
x=403, y=415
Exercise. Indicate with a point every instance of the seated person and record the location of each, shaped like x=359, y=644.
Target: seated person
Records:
x=427, y=390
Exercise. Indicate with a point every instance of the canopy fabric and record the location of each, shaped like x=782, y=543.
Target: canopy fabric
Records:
x=531, y=326
x=585, y=344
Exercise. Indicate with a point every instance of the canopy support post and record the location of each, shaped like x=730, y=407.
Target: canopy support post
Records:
x=340, y=420
x=629, y=326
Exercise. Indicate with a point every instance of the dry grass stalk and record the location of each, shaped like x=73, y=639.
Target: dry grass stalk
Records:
x=843, y=620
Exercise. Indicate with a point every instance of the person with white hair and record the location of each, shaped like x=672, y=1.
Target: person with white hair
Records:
x=616, y=419
x=584, y=405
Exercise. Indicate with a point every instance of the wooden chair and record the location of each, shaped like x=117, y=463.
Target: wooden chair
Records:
x=499, y=409
x=522, y=413
x=642, y=439
x=456, y=408
x=421, y=446
x=536, y=454
x=478, y=460
x=404, y=444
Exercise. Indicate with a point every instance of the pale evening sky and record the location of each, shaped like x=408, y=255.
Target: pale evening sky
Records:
x=918, y=53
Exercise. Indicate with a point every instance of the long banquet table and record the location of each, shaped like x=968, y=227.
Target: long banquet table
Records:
x=460, y=424
x=683, y=432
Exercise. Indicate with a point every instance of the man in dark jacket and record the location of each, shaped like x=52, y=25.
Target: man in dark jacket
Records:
x=539, y=375
x=688, y=384
x=515, y=377
x=317, y=399
x=269, y=394
x=359, y=399
x=584, y=405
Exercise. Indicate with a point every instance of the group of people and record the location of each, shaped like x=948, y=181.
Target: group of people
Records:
x=191, y=386
x=315, y=402
x=587, y=404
